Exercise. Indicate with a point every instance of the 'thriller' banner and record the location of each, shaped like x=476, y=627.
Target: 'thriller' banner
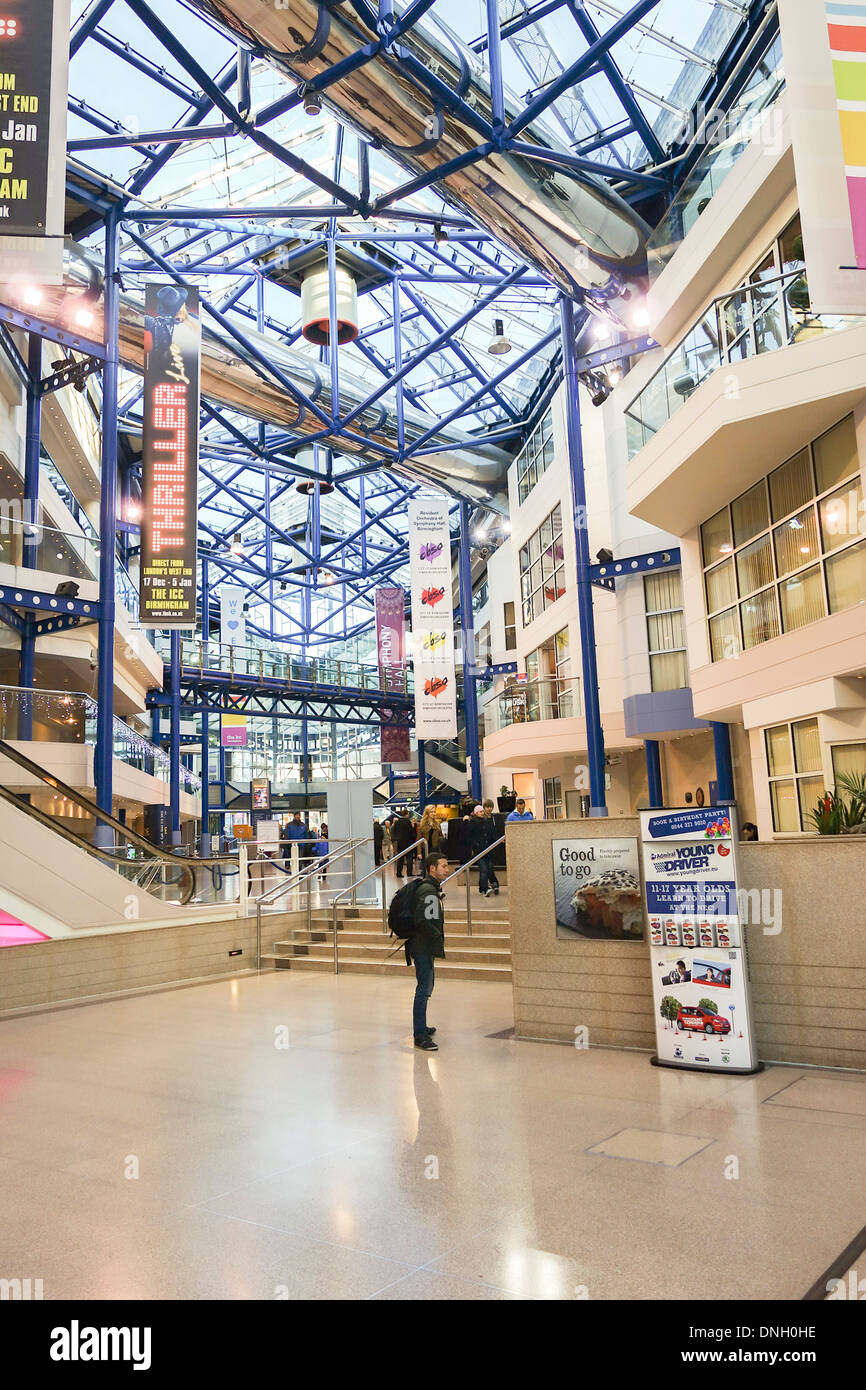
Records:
x=172, y=342
x=391, y=650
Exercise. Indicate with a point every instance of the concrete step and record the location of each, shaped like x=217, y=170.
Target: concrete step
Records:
x=481, y=921
x=352, y=965
x=383, y=950
x=350, y=936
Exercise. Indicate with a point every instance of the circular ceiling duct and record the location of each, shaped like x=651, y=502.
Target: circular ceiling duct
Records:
x=315, y=307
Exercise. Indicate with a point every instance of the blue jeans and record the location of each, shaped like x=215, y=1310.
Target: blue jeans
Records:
x=424, y=974
x=486, y=874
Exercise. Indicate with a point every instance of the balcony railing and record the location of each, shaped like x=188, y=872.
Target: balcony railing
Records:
x=269, y=662
x=545, y=698
x=61, y=716
x=758, y=318
x=33, y=546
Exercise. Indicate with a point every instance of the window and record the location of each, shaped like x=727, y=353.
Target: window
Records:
x=849, y=760
x=480, y=595
x=536, y=455
x=552, y=798
x=549, y=692
x=663, y=598
x=482, y=645
x=789, y=550
x=542, y=571
x=795, y=772
x=510, y=627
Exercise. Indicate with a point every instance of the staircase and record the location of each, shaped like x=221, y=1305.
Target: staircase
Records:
x=366, y=950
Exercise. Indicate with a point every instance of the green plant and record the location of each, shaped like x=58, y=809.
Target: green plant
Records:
x=854, y=783
x=709, y=1004
x=669, y=1007
x=833, y=814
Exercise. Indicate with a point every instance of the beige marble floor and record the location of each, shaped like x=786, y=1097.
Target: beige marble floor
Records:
x=289, y=1142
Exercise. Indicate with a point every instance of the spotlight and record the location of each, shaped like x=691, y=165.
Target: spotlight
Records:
x=312, y=103
x=236, y=548
x=68, y=589
x=601, y=331
x=32, y=296
x=604, y=556
x=439, y=233
x=597, y=386
x=614, y=374
x=640, y=316
x=499, y=344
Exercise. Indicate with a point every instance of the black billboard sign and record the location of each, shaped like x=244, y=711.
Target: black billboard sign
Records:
x=26, y=28
x=172, y=343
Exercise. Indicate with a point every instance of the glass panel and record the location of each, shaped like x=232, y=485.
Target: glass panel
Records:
x=802, y=599
x=725, y=635
x=849, y=759
x=749, y=513
x=720, y=586
x=779, y=757
x=755, y=566
x=669, y=671
x=666, y=632
x=662, y=592
x=846, y=577
x=716, y=536
x=760, y=619
x=796, y=542
x=785, y=814
x=807, y=746
x=524, y=558
x=791, y=485
x=836, y=454
x=840, y=516
x=811, y=789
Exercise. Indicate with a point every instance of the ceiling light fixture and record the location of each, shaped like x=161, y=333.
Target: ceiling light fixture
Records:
x=499, y=344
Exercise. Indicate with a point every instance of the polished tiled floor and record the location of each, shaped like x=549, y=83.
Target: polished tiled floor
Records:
x=289, y=1142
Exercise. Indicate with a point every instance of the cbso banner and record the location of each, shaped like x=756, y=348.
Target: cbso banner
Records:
x=172, y=342
x=432, y=620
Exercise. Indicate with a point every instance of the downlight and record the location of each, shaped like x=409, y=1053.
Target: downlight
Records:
x=499, y=344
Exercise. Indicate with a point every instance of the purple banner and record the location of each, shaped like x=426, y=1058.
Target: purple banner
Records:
x=391, y=652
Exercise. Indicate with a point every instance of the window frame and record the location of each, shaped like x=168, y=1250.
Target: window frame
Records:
x=535, y=579
x=534, y=458
x=818, y=556
x=665, y=651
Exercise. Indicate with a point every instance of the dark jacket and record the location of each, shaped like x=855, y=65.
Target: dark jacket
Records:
x=482, y=833
x=402, y=833
x=428, y=934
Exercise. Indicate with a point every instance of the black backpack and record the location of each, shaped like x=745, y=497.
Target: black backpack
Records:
x=401, y=913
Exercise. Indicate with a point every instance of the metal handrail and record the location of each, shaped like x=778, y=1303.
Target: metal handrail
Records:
x=380, y=869
x=464, y=869
x=296, y=881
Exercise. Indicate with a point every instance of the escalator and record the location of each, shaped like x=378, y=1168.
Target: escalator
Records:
x=51, y=863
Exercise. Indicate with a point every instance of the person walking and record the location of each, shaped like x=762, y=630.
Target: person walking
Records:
x=425, y=944
x=295, y=833
x=402, y=836
x=483, y=834
x=321, y=848
x=520, y=812
x=378, y=842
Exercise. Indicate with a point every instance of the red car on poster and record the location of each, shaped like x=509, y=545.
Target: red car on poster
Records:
x=693, y=1019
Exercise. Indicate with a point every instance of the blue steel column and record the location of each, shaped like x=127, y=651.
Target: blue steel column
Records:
x=103, y=752
x=589, y=668
x=467, y=629
x=30, y=519
x=174, y=739
x=422, y=776
x=205, y=729
x=654, y=773
x=724, y=763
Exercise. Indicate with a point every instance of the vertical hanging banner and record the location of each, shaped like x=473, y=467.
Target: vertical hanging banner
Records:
x=824, y=48
x=233, y=624
x=432, y=620
x=169, y=466
x=34, y=49
x=391, y=654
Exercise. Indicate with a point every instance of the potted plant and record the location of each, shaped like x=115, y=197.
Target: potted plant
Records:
x=506, y=800
x=833, y=815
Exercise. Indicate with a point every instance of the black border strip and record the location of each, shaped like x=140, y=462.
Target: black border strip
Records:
x=842, y=1263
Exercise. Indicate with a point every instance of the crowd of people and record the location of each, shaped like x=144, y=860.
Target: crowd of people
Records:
x=410, y=839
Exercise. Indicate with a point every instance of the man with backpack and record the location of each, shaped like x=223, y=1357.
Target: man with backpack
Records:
x=417, y=916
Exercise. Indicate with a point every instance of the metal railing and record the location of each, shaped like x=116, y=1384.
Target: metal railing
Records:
x=545, y=697
x=298, y=880
x=380, y=869
x=755, y=319
x=464, y=868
